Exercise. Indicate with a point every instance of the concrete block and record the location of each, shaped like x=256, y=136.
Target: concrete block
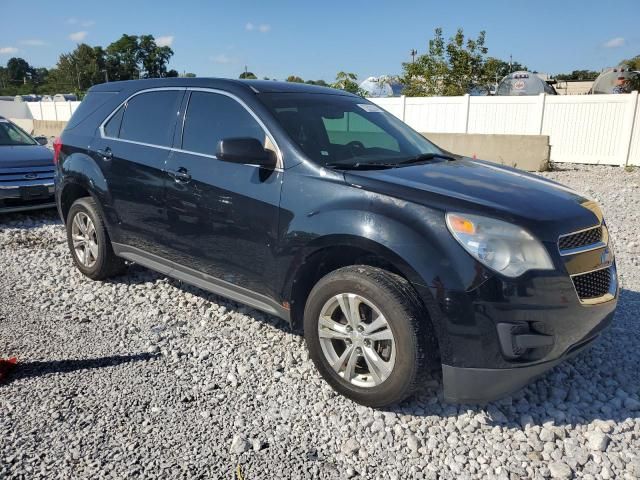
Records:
x=526, y=152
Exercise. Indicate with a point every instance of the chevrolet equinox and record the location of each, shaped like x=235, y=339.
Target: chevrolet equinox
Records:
x=317, y=206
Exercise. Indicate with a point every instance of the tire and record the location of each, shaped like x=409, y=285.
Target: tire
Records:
x=101, y=262
x=405, y=347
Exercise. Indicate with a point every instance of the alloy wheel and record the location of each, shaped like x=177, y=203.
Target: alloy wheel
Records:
x=357, y=340
x=85, y=239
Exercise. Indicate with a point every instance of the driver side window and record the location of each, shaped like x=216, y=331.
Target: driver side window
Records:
x=353, y=127
x=212, y=117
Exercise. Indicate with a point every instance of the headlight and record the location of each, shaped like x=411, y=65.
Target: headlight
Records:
x=501, y=246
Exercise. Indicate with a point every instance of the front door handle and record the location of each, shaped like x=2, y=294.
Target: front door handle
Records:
x=181, y=175
x=106, y=154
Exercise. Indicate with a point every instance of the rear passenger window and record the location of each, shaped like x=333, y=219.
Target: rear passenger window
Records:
x=112, y=127
x=212, y=117
x=151, y=117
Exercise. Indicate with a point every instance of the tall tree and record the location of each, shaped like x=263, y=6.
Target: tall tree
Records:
x=154, y=59
x=123, y=57
x=454, y=67
x=82, y=68
x=18, y=70
x=348, y=81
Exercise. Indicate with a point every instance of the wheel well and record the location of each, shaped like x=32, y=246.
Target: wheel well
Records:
x=70, y=194
x=321, y=263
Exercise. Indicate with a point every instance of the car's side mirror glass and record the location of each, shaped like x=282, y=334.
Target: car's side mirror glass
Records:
x=245, y=150
x=41, y=140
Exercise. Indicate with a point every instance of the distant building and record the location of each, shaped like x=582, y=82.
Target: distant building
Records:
x=573, y=87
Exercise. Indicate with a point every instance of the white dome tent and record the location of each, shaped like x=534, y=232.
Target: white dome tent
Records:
x=383, y=86
x=523, y=83
x=615, y=80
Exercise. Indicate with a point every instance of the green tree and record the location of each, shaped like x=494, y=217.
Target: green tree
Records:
x=632, y=63
x=348, y=82
x=248, y=76
x=18, y=70
x=153, y=59
x=122, y=58
x=82, y=68
x=454, y=67
x=320, y=83
x=294, y=79
x=578, y=75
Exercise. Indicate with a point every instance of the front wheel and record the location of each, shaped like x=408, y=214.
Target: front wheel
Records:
x=368, y=335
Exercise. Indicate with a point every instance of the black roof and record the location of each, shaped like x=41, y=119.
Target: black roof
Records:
x=257, y=86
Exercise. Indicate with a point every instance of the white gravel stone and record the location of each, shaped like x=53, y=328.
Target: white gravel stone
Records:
x=560, y=470
x=240, y=444
x=597, y=440
x=97, y=392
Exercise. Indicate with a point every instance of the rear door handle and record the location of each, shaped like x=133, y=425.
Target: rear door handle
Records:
x=180, y=175
x=106, y=154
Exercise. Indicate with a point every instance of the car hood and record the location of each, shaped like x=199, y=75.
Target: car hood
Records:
x=25, y=156
x=485, y=187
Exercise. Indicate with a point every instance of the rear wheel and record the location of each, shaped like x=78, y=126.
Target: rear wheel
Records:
x=367, y=335
x=89, y=242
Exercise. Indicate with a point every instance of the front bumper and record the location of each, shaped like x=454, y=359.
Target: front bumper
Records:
x=26, y=195
x=498, y=337
x=482, y=385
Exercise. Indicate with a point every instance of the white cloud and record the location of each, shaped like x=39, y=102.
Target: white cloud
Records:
x=33, y=42
x=222, y=59
x=7, y=50
x=78, y=36
x=614, y=43
x=165, y=41
x=262, y=28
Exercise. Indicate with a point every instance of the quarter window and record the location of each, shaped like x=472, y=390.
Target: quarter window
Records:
x=151, y=117
x=112, y=127
x=212, y=117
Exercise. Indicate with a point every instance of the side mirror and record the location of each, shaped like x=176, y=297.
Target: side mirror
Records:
x=41, y=140
x=245, y=150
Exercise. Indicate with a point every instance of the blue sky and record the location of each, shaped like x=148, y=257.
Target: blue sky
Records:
x=315, y=40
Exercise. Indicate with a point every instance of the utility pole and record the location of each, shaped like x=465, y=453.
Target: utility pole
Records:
x=510, y=63
x=413, y=54
x=106, y=76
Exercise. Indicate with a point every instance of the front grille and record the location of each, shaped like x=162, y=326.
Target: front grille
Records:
x=580, y=239
x=593, y=284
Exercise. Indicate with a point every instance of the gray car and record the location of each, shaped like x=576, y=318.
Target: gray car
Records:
x=26, y=170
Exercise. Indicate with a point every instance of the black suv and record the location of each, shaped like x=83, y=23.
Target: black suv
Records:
x=319, y=207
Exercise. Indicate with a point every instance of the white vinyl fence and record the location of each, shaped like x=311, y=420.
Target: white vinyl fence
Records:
x=582, y=128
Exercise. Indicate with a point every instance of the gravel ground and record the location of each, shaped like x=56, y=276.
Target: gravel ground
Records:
x=145, y=377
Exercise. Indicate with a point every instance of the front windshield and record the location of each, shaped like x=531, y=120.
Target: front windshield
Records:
x=10, y=135
x=338, y=130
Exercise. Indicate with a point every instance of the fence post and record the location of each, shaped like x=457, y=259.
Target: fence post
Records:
x=542, y=102
x=627, y=127
x=467, y=106
x=403, y=99
x=41, y=114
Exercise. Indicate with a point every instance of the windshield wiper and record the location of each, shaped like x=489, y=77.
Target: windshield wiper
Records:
x=360, y=165
x=424, y=157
